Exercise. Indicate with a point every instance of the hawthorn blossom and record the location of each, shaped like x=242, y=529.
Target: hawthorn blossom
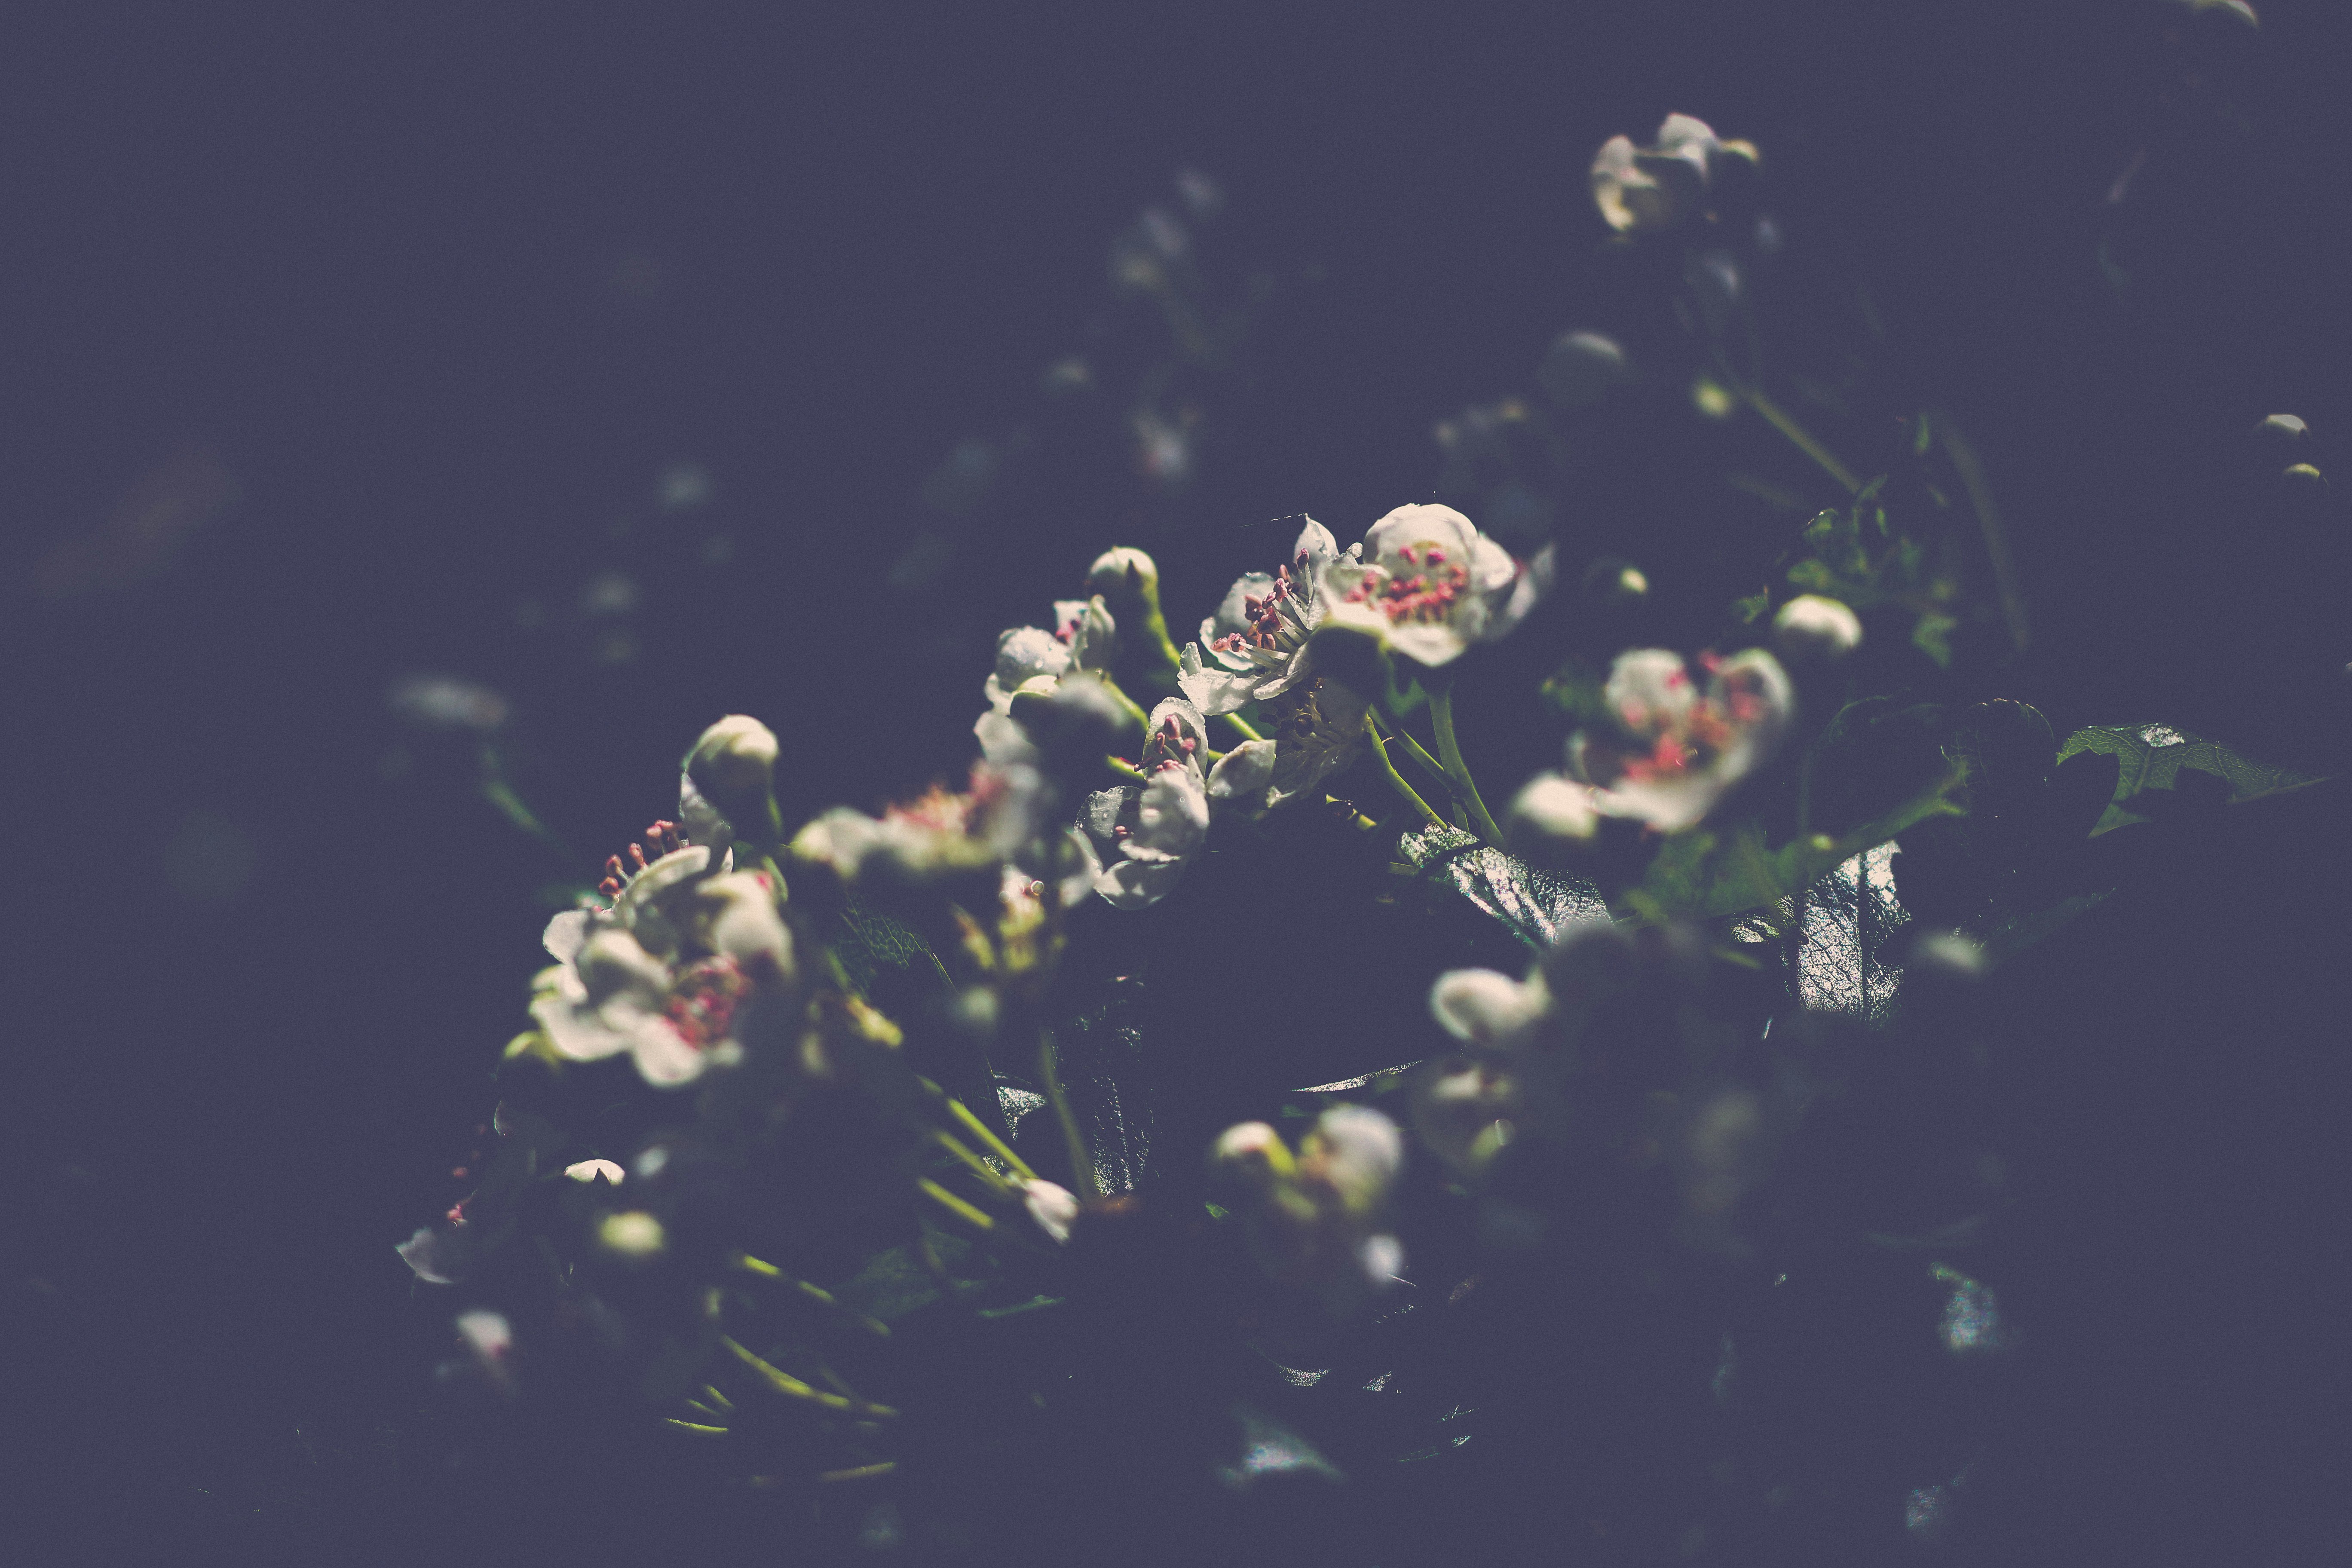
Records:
x=668, y=973
x=1314, y=1220
x=1678, y=749
x=1642, y=189
x=1429, y=585
x=1156, y=827
x=1081, y=639
x=1055, y=1209
x=1257, y=641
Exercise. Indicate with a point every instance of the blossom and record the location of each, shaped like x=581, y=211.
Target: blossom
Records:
x=1810, y=623
x=1055, y=1209
x=1678, y=749
x=1642, y=189
x=1428, y=584
x=1156, y=826
x=1314, y=1220
x=730, y=771
x=1557, y=807
x=1081, y=639
x=668, y=974
x=1257, y=641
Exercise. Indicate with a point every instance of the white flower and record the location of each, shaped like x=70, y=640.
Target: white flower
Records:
x=1055, y=1209
x=668, y=974
x=1429, y=585
x=1257, y=641
x=590, y=1170
x=1810, y=623
x=1315, y=1219
x=1156, y=827
x=1081, y=639
x=1466, y=1106
x=1558, y=808
x=726, y=785
x=1679, y=748
x=1642, y=189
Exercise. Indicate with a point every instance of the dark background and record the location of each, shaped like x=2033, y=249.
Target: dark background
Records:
x=389, y=325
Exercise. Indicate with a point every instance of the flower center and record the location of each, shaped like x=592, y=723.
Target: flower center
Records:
x=1429, y=594
x=703, y=1000
x=1269, y=627
x=666, y=839
x=1169, y=747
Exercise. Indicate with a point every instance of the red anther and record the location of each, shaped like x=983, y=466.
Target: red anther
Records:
x=610, y=887
x=460, y=1173
x=1435, y=557
x=638, y=855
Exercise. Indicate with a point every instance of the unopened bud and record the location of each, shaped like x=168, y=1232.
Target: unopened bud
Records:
x=1122, y=567
x=1810, y=625
x=2303, y=474
x=1580, y=369
x=733, y=766
x=589, y=1170
x=634, y=1233
x=1252, y=1151
x=1055, y=1209
x=2283, y=427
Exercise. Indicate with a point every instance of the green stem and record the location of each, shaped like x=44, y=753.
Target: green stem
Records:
x=1123, y=768
x=1082, y=1160
x=1242, y=726
x=1155, y=626
x=1142, y=720
x=980, y=1167
x=987, y=1135
x=1800, y=437
x=1396, y=780
x=1441, y=714
x=1419, y=754
x=2005, y=567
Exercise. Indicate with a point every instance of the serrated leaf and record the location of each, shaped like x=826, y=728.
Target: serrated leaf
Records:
x=1535, y=905
x=2150, y=757
x=1701, y=875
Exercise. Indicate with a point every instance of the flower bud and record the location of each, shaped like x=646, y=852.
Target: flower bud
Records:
x=1580, y=369
x=1253, y=1151
x=733, y=766
x=1811, y=624
x=589, y=1170
x=633, y=1234
x=1122, y=567
x=1052, y=1208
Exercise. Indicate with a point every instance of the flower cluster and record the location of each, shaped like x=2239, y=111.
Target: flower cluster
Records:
x=1673, y=749
x=1642, y=189
x=1150, y=831
x=1314, y=1220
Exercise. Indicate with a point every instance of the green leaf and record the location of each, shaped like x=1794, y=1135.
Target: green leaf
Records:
x=1535, y=905
x=2150, y=757
x=870, y=943
x=1701, y=875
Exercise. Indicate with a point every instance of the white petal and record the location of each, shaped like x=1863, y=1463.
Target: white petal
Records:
x=1105, y=807
x=1133, y=885
x=663, y=1059
x=1213, y=692
x=1316, y=543
x=612, y=963
x=1171, y=818
x=1002, y=741
x=1558, y=808
x=564, y=934
x=577, y=1031
x=1422, y=525
x=1648, y=690
x=1430, y=643
x=1243, y=772
x=1025, y=651
x=1052, y=1208
x=1485, y=1008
